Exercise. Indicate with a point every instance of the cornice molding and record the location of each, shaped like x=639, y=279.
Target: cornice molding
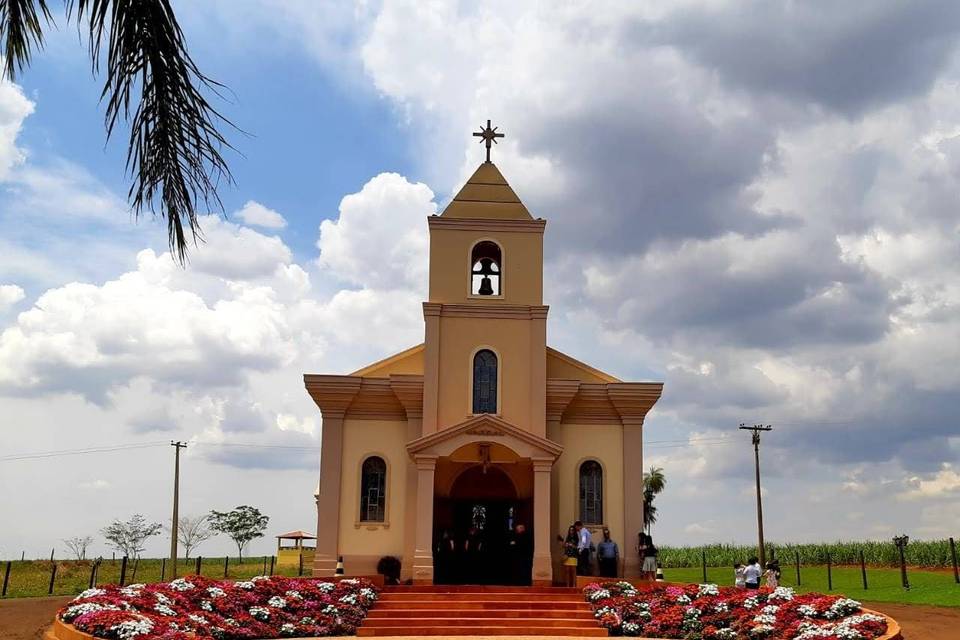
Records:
x=491, y=310
x=332, y=394
x=409, y=391
x=559, y=394
x=487, y=224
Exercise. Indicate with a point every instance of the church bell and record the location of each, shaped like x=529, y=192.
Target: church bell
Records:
x=486, y=270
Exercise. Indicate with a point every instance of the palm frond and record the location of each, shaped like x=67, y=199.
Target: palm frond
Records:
x=20, y=32
x=174, y=155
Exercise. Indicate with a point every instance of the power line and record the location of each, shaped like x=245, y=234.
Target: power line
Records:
x=74, y=452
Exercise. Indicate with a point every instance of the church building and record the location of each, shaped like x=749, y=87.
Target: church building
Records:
x=482, y=426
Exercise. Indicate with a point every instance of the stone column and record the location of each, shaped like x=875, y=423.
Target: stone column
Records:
x=423, y=553
x=538, y=371
x=632, y=493
x=409, y=391
x=328, y=495
x=542, y=533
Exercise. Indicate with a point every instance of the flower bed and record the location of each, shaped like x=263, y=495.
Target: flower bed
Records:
x=195, y=607
x=709, y=612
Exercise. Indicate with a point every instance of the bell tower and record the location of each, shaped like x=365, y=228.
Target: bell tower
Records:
x=485, y=342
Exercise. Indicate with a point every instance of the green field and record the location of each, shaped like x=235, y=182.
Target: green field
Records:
x=32, y=577
x=926, y=587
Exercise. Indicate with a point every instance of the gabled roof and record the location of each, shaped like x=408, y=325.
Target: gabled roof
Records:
x=406, y=361
x=487, y=195
x=489, y=427
x=564, y=366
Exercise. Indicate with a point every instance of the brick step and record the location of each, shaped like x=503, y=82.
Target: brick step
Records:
x=448, y=623
x=527, y=614
x=580, y=632
x=443, y=603
x=506, y=596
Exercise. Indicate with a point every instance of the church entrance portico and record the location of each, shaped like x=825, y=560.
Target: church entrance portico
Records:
x=475, y=482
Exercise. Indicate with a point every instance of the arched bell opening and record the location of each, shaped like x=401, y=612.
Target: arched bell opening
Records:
x=486, y=264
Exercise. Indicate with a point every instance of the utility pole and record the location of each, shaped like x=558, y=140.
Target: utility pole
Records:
x=176, y=505
x=756, y=429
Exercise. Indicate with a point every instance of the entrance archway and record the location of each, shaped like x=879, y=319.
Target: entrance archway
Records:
x=474, y=525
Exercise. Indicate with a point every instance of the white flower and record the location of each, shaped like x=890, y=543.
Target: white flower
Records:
x=765, y=618
x=368, y=593
x=598, y=595
x=761, y=630
x=770, y=609
x=726, y=634
x=277, y=602
x=130, y=628
x=330, y=610
x=808, y=611
x=294, y=594
x=708, y=590
x=683, y=599
x=259, y=578
x=260, y=613
x=216, y=592
x=288, y=629
x=164, y=610
x=90, y=593
x=721, y=607
x=246, y=584
x=206, y=605
x=326, y=587
x=162, y=599
x=132, y=590
x=180, y=584
x=781, y=593
x=751, y=603
x=198, y=619
x=842, y=607
x=630, y=629
x=77, y=610
x=349, y=599
x=307, y=620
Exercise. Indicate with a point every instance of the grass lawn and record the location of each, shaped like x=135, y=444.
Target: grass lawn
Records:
x=926, y=587
x=32, y=577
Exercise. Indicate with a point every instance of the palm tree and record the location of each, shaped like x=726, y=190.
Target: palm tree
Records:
x=653, y=483
x=174, y=151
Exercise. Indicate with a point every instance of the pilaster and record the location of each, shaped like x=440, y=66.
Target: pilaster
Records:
x=423, y=552
x=542, y=532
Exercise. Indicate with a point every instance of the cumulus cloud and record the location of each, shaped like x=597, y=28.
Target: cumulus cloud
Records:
x=10, y=294
x=256, y=214
x=379, y=240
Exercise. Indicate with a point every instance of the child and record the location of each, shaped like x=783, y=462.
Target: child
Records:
x=772, y=574
x=751, y=573
x=739, y=581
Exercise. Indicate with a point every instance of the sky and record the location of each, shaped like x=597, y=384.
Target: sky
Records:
x=754, y=202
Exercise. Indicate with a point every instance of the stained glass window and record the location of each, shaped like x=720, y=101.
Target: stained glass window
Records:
x=373, y=490
x=591, y=492
x=485, y=382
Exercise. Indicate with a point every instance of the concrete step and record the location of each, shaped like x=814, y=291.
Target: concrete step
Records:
x=482, y=588
x=526, y=614
x=443, y=603
x=477, y=622
x=505, y=596
x=580, y=632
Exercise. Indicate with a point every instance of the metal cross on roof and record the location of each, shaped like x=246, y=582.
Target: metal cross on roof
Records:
x=488, y=135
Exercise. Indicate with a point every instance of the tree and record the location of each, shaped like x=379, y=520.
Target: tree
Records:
x=129, y=537
x=191, y=532
x=243, y=524
x=654, y=482
x=174, y=149
x=78, y=546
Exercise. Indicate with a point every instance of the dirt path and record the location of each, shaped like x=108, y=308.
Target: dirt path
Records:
x=26, y=619
x=919, y=622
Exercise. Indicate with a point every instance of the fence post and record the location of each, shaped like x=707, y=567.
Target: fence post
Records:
x=863, y=570
x=199, y=562
x=829, y=574
x=226, y=565
x=703, y=561
x=263, y=571
x=53, y=576
x=163, y=569
x=23, y=554
x=93, y=571
x=6, y=579
x=123, y=570
x=953, y=555
x=300, y=568
x=272, y=562
x=51, y=553
x=798, y=568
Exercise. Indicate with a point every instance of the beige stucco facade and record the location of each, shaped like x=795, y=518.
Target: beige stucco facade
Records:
x=443, y=428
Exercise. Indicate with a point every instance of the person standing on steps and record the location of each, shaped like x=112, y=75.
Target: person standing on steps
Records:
x=648, y=551
x=520, y=555
x=584, y=542
x=569, y=545
x=608, y=556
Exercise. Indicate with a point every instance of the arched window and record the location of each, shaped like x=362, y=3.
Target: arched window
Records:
x=485, y=263
x=373, y=490
x=485, y=382
x=591, y=492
